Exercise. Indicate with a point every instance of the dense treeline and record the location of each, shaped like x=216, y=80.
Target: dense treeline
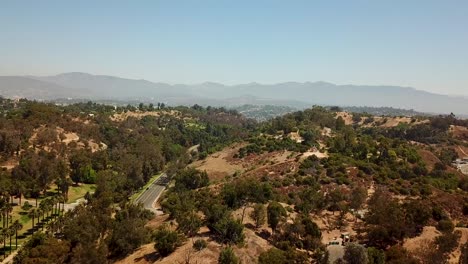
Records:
x=118, y=156
x=108, y=227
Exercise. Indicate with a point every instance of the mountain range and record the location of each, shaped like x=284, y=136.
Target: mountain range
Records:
x=100, y=87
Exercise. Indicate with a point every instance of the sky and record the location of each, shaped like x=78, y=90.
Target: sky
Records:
x=421, y=44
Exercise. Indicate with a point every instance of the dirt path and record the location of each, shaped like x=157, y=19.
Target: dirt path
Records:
x=10, y=257
x=462, y=151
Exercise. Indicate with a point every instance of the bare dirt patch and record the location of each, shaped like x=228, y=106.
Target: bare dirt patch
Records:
x=429, y=158
x=220, y=164
x=315, y=152
x=455, y=256
x=144, y=255
x=157, y=221
x=10, y=164
x=296, y=137
x=462, y=151
x=347, y=117
x=429, y=233
x=459, y=132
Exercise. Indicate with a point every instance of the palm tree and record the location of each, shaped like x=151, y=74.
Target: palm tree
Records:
x=50, y=206
x=61, y=200
x=8, y=209
x=32, y=214
x=42, y=207
x=19, y=188
x=3, y=210
x=59, y=223
x=3, y=235
x=40, y=212
x=16, y=226
x=53, y=202
x=10, y=232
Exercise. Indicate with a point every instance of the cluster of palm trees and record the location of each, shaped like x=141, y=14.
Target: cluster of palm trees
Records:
x=50, y=207
x=7, y=230
x=50, y=210
x=8, y=233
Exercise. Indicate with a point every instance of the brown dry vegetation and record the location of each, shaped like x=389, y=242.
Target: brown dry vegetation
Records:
x=413, y=245
x=220, y=164
x=429, y=158
x=248, y=252
x=119, y=117
x=459, y=132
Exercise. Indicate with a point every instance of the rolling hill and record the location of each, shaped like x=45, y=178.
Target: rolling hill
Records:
x=87, y=86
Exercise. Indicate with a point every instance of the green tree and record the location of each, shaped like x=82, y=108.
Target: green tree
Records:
x=273, y=256
x=243, y=192
x=258, y=215
x=229, y=230
x=10, y=232
x=128, y=230
x=275, y=214
x=355, y=254
x=375, y=256
x=358, y=197
x=166, y=240
x=189, y=223
x=191, y=179
x=33, y=213
x=17, y=226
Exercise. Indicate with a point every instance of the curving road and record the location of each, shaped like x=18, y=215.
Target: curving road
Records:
x=152, y=193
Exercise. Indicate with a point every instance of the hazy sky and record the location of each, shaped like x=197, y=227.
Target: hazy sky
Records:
x=423, y=44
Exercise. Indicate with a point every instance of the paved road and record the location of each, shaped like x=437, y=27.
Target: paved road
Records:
x=152, y=193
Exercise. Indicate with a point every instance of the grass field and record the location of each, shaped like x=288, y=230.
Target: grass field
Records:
x=75, y=193
x=79, y=191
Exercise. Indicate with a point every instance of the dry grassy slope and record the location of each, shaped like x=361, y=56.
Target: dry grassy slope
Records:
x=253, y=246
x=387, y=121
x=459, y=132
x=429, y=233
x=119, y=117
x=221, y=164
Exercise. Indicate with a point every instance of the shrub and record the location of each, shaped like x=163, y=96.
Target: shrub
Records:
x=445, y=225
x=200, y=244
x=227, y=256
x=375, y=256
x=166, y=241
x=26, y=206
x=355, y=254
x=273, y=256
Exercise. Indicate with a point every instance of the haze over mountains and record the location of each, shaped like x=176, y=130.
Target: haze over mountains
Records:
x=100, y=87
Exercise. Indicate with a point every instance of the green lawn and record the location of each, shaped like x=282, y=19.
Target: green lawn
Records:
x=74, y=193
x=77, y=192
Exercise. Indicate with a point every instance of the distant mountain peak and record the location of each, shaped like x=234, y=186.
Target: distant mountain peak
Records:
x=80, y=85
x=78, y=74
x=212, y=84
